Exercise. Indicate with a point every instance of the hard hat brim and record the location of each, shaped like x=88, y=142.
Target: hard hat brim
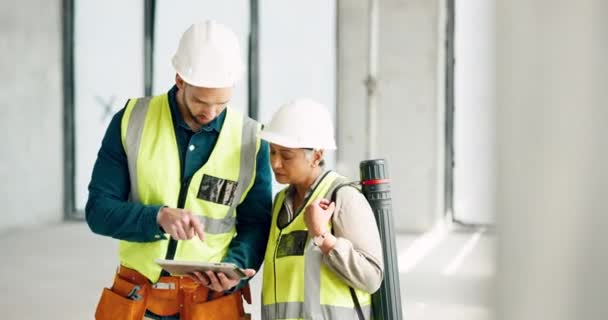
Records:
x=288, y=142
x=205, y=84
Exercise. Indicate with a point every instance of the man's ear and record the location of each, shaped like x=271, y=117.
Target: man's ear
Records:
x=179, y=82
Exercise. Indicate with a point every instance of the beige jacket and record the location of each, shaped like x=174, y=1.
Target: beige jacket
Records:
x=357, y=255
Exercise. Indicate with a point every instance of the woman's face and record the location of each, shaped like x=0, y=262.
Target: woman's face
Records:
x=292, y=166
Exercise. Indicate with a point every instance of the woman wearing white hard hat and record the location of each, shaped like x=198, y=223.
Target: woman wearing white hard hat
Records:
x=324, y=256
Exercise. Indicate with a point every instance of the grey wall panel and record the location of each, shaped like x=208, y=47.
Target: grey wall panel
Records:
x=410, y=109
x=475, y=108
x=297, y=56
x=31, y=111
x=108, y=70
x=552, y=159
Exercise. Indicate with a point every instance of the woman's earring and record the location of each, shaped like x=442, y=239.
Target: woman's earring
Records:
x=314, y=165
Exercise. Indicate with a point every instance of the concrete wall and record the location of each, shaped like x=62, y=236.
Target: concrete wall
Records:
x=552, y=159
x=411, y=104
x=410, y=123
x=31, y=170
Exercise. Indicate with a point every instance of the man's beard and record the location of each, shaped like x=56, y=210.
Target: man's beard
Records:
x=192, y=115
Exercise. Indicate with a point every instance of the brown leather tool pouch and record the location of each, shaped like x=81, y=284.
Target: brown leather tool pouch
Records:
x=132, y=294
x=125, y=301
x=164, y=297
x=226, y=307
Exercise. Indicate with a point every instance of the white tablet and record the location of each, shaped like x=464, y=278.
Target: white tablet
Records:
x=180, y=267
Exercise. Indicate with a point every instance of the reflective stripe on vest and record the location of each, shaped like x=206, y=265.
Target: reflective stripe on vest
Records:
x=295, y=310
x=213, y=193
x=297, y=285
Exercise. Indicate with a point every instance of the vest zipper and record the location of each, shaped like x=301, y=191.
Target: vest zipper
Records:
x=274, y=263
x=181, y=202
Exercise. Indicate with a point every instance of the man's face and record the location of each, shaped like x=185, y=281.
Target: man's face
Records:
x=203, y=105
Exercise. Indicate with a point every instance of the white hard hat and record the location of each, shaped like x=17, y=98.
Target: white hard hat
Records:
x=302, y=123
x=209, y=55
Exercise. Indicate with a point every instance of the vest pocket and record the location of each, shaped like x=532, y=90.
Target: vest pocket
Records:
x=292, y=244
x=217, y=190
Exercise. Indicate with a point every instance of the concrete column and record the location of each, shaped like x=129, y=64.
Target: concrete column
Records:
x=552, y=153
x=410, y=108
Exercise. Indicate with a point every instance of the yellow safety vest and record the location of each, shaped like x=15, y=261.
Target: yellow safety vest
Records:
x=213, y=192
x=297, y=285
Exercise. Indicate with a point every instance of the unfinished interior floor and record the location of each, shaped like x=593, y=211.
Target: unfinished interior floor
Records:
x=58, y=272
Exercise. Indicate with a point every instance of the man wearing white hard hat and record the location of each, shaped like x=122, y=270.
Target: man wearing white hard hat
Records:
x=182, y=176
x=324, y=255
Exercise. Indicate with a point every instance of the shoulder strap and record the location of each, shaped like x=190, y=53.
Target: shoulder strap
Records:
x=334, y=196
x=357, y=305
x=334, y=193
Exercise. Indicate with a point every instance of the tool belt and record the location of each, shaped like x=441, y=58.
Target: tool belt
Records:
x=132, y=294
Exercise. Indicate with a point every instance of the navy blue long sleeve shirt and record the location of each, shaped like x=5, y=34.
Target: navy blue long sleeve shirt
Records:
x=110, y=213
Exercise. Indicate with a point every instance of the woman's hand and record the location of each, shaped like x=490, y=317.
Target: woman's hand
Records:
x=317, y=216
